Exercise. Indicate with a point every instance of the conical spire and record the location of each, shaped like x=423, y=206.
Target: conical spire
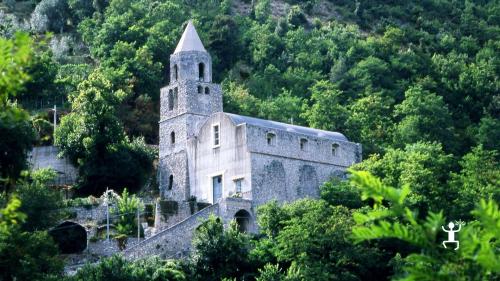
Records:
x=190, y=41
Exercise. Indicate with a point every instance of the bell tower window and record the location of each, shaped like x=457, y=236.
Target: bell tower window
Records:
x=200, y=90
x=176, y=91
x=170, y=100
x=176, y=72
x=201, y=71
x=170, y=182
x=172, y=137
x=207, y=91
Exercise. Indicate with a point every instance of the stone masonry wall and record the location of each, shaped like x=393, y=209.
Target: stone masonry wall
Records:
x=171, y=242
x=46, y=157
x=287, y=179
x=170, y=213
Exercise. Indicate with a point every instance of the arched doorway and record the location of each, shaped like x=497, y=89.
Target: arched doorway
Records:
x=70, y=236
x=242, y=218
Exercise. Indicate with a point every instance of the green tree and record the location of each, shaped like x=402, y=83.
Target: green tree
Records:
x=126, y=209
x=15, y=126
x=41, y=204
x=262, y=10
x=219, y=253
x=326, y=111
x=369, y=122
x=93, y=138
x=283, y=108
x=25, y=255
x=479, y=178
x=488, y=133
x=238, y=100
x=340, y=192
x=116, y=268
x=223, y=42
x=296, y=17
x=476, y=259
x=311, y=237
x=423, y=166
x=423, y=117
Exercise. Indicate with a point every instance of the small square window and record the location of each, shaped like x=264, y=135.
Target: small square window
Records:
x=271, y=139
x=335, y=149
x=216, y=135
x=237, y=185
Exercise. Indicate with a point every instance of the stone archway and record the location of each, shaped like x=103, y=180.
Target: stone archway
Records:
x=244, y=220
x=71, y=237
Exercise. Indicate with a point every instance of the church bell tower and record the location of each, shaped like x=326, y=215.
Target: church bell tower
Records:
x=188, y=100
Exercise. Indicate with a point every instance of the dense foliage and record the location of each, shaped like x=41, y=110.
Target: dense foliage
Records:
x=16, y=132
x=41, y=204
x=92, y=137
x=126, y=208
x=25, y=255
x=477, y=257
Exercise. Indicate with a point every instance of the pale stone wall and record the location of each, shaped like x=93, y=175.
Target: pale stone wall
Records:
x=230, y=159
x=46, y=157
x=317, y=150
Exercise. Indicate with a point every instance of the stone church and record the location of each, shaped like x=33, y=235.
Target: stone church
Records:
x=211, y=155
x=228, y=163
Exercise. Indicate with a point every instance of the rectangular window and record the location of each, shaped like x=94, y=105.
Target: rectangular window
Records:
x=303, y=144
x=271, y=139
x=237, y=185
x=335, y=148
x=216, y=135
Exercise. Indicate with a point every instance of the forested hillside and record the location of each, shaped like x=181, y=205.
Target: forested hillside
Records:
x=415, y=82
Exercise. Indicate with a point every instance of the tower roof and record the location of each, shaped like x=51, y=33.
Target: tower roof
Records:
x=190, y=41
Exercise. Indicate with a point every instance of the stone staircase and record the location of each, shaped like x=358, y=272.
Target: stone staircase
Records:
x=171, y=242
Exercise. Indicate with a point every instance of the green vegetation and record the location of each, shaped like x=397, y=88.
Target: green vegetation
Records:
x=415, y=82
x=41, y=204
x=25, y=255
x=476, y=259
x=15, y=128
x=126, y=209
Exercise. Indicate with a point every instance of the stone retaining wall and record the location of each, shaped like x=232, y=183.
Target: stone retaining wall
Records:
x=171, y=242
x=94, y=213
x=46, y=157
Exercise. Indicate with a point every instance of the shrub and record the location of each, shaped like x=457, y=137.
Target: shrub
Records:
x=50, y=15
x=41, y=203
x=125, y=211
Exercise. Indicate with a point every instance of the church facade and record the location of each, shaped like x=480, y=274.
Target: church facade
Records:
x=211, y=155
